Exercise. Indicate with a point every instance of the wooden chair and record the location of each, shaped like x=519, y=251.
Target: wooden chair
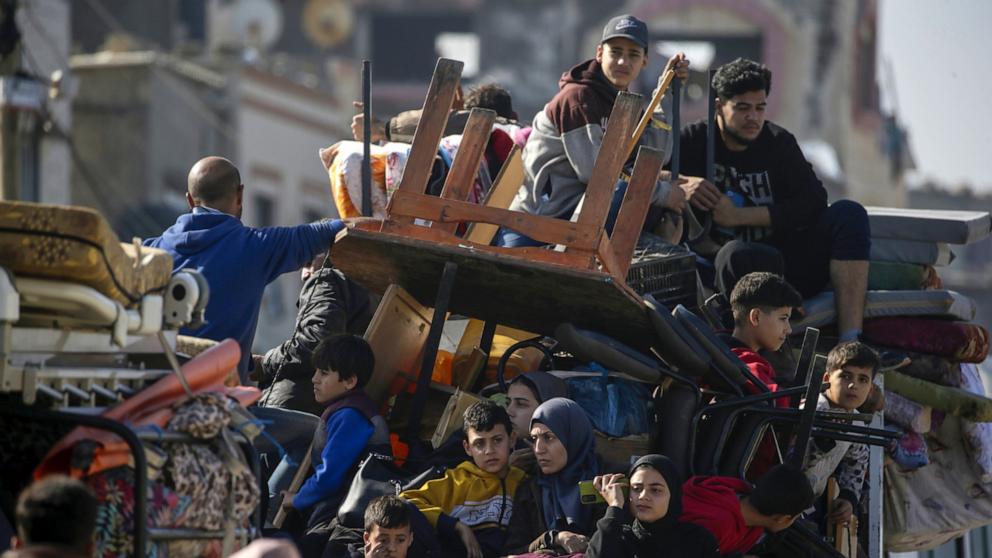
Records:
x=582, y=281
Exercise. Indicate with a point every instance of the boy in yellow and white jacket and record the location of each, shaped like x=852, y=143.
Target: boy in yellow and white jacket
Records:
x=470, y=507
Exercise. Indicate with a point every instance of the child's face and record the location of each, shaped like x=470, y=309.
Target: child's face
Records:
x=771, y=327
x=490, y=450
x=328, y=385
x=849, y=386
x=522, y=406
x=388, y=543
x=649, y=495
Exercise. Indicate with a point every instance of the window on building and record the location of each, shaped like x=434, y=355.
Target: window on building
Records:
x=265, y=211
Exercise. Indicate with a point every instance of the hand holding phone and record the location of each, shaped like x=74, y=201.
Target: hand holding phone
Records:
x=612, y=489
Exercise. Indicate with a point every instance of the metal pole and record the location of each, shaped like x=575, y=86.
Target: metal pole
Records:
x=676, y=129
x=710, y=129
x=444, y=288
x=367, y=140
x=875, y=472
x=9, y=155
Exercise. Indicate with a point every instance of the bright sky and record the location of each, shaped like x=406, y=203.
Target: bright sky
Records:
x=940, y=58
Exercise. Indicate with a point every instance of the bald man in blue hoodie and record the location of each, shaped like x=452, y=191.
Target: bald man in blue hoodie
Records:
x=237, y=261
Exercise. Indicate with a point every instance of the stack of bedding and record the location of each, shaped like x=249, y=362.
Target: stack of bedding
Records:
x=938, y=476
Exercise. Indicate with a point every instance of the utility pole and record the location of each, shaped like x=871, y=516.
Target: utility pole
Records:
x=22, y=98
x=10, y=64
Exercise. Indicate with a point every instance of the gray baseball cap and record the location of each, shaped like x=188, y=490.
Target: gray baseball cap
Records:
x=628, y=27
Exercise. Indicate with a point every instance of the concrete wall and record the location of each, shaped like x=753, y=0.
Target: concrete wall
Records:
x=44, y=27
x=280, y=127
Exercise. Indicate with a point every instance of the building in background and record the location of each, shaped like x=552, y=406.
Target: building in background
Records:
x=41, y=115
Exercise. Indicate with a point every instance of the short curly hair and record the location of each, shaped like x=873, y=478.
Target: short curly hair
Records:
x=484, y=415
x=740, y=76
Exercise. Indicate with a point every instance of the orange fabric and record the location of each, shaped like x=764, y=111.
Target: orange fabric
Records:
x=152, y=405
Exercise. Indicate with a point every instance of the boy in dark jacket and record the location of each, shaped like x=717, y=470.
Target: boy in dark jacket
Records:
x=329, y=304
x=473, y=502
x=350, y=423
x=738, y=514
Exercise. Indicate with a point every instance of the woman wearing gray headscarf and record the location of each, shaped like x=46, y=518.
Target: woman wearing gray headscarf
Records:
x=547, y=512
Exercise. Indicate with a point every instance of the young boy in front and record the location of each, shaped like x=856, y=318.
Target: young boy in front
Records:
x=851, y=368
x=738, y=514
x=351, y=423
x=387, y=530
x=470, y=506
x=762, y=304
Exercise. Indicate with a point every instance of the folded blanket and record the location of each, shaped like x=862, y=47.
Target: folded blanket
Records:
x=906, y=413
x=956, y=340
x=819, y=310
x=933, y=225
x=911, y=251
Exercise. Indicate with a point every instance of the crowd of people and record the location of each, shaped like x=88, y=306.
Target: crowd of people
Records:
x=530, y=482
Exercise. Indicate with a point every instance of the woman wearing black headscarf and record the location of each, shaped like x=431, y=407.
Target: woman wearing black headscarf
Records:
x=655, y=504
x=548, y=515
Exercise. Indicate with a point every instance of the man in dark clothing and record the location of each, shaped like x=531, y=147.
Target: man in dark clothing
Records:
x=766, y=192
x=567, y=135
x=329, y=304
x=237, y=261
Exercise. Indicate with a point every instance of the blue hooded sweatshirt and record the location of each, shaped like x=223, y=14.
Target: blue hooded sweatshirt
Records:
x=238, y=262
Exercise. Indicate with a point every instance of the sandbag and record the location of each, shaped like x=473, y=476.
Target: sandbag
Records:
x=956, y=340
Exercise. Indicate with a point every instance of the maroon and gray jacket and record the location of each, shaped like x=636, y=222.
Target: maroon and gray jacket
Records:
x=562, y=148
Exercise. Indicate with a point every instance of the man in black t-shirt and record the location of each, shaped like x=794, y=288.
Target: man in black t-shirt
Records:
x=769, y=209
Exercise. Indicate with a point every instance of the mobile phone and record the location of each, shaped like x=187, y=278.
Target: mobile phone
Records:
x=588, y=494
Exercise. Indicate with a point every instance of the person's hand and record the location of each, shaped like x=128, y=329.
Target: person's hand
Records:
x=679, y=64
x=842, y=512
x=701, y=193
x=363, y=223
x=725, y=212
x=378, y=127
x=610, y=486
x=472, y=548
x=676, y=198
x=287, y=500
x=573, y=543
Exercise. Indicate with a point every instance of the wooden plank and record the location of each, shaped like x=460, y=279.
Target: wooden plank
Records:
x=426, y=139
x=397, y=334
x=634, y=208
x=505, y=188
x=465, y=167
x=609, y=162
x=510, y=291
x=546, y=229
x=580, y=259
x=659, y=94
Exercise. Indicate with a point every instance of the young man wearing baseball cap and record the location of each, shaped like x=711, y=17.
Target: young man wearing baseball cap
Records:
x=567, y=134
